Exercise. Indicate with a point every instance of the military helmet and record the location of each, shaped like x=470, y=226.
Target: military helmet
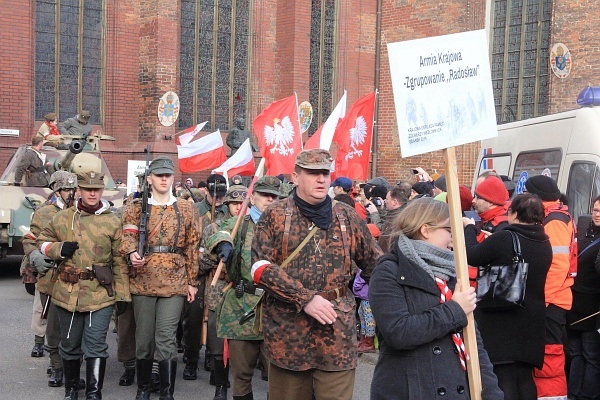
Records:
x=236, y=193
x=62, y=180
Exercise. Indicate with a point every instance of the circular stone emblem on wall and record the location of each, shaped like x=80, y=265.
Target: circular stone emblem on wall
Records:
x=168, y=108
x=560, y=60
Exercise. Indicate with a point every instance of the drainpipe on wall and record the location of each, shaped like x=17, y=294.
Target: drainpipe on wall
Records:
x=377, y=67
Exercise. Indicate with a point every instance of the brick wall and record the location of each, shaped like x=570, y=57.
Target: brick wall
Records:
x=575, y=25
x=405, y=20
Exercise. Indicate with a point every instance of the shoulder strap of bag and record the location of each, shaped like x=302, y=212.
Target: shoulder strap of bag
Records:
x=516, y=245
x=589, y=246
x=312, y=232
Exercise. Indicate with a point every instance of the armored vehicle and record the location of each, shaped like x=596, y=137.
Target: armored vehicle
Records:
x=17, y=203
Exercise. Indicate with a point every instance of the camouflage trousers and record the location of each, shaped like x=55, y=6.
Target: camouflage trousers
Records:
x=285, y=384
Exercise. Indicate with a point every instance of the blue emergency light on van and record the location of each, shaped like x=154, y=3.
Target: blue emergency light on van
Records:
x=590, y=96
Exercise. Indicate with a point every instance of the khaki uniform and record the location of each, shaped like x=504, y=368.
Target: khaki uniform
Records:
x=32, y=167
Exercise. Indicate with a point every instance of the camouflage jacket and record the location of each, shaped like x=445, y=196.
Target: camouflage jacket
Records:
x=238, y=268
x=99, y=238
x=41, y=217
x=293, y=339
x=32, y=167
x=164, y=274
x=213, y=295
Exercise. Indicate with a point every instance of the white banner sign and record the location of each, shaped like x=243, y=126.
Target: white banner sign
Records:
x=9, y=132
x=134, y=168
x=442, y=91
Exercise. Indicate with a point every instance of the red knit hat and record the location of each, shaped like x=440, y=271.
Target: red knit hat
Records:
x=466, y=198
x=492, y=190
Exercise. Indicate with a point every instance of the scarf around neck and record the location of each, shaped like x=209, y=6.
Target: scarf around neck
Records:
x=318, y=214
x=437, y=262
x=89, y=210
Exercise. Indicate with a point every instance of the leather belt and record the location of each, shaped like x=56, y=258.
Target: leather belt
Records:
x=335, y=294
x=165, y=249
x=74, y=278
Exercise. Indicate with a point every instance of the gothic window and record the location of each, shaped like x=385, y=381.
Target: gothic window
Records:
x=520, y=51
x=322, y=55
x=214, y=65
x=68, y=58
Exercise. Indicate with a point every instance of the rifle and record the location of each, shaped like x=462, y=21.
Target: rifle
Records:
x=185, y=185
x=145, y=215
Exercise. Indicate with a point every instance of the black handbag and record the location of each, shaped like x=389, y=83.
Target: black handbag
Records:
x=501, y=287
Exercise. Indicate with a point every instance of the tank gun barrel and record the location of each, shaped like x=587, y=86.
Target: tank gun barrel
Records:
x=75, y=147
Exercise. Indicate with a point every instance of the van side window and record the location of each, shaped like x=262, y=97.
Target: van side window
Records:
x=499, y=163
x=583, y=186
x=536, y=162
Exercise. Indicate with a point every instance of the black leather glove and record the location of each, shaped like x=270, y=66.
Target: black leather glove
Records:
x=224, y=250
x=120, y=307
x=30, y=287
x=68, y=248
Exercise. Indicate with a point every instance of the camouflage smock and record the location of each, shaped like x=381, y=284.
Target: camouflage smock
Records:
x=208, y=261
x=164, y=274
x=99, y=238
x=293, y=339
x=233, y=308
x=41, y=217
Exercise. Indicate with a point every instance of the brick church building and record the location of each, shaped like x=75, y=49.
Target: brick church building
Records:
x=229, y=59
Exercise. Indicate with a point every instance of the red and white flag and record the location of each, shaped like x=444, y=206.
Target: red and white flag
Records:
x=278, y=131
x=353, y=137
x=188, y=135
x=205, y=153
x=241, y=163
x=322, y=138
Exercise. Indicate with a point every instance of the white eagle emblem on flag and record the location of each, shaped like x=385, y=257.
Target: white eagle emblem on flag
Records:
x=281, y=135
x=357, y=137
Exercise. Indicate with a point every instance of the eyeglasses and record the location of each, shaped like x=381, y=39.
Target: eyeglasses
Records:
x=595, y=211
x=446, y=227
x=238, y=193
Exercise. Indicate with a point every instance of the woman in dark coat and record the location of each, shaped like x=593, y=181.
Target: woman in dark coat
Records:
x=584, y=339
x=514, y=338
x=419, y=333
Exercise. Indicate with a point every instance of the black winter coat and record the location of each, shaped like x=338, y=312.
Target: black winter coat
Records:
x=417, y=357
x=516, y=334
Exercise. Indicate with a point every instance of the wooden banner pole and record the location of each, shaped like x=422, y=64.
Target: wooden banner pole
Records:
x=462, y=272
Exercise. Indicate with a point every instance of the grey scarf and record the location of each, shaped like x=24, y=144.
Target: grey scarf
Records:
x=435, y=261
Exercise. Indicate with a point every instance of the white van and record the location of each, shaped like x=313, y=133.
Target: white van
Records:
x=564, y=146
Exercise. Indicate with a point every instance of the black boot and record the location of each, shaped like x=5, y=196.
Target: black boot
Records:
x=221, y=378
x=248, y=396
x=94, y=376
x=189, y=373
x=128, y=377
x=167, y=371
x=144, y=370
x=56, y=378
x=71, y=377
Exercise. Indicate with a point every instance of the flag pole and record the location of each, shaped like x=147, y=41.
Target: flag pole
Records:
x=242, y=212
x=462, y=273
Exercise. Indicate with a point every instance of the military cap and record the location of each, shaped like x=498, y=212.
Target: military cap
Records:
x=90, y=180
x=314, y=159
x=235, y=193
x=217, y=185
x=268, y=185
x=50, y=117
x=62, y=180
x=83, y=116
x=162, y=165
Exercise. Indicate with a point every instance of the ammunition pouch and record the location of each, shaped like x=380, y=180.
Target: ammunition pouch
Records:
x=73, y=275
x=105, y=277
